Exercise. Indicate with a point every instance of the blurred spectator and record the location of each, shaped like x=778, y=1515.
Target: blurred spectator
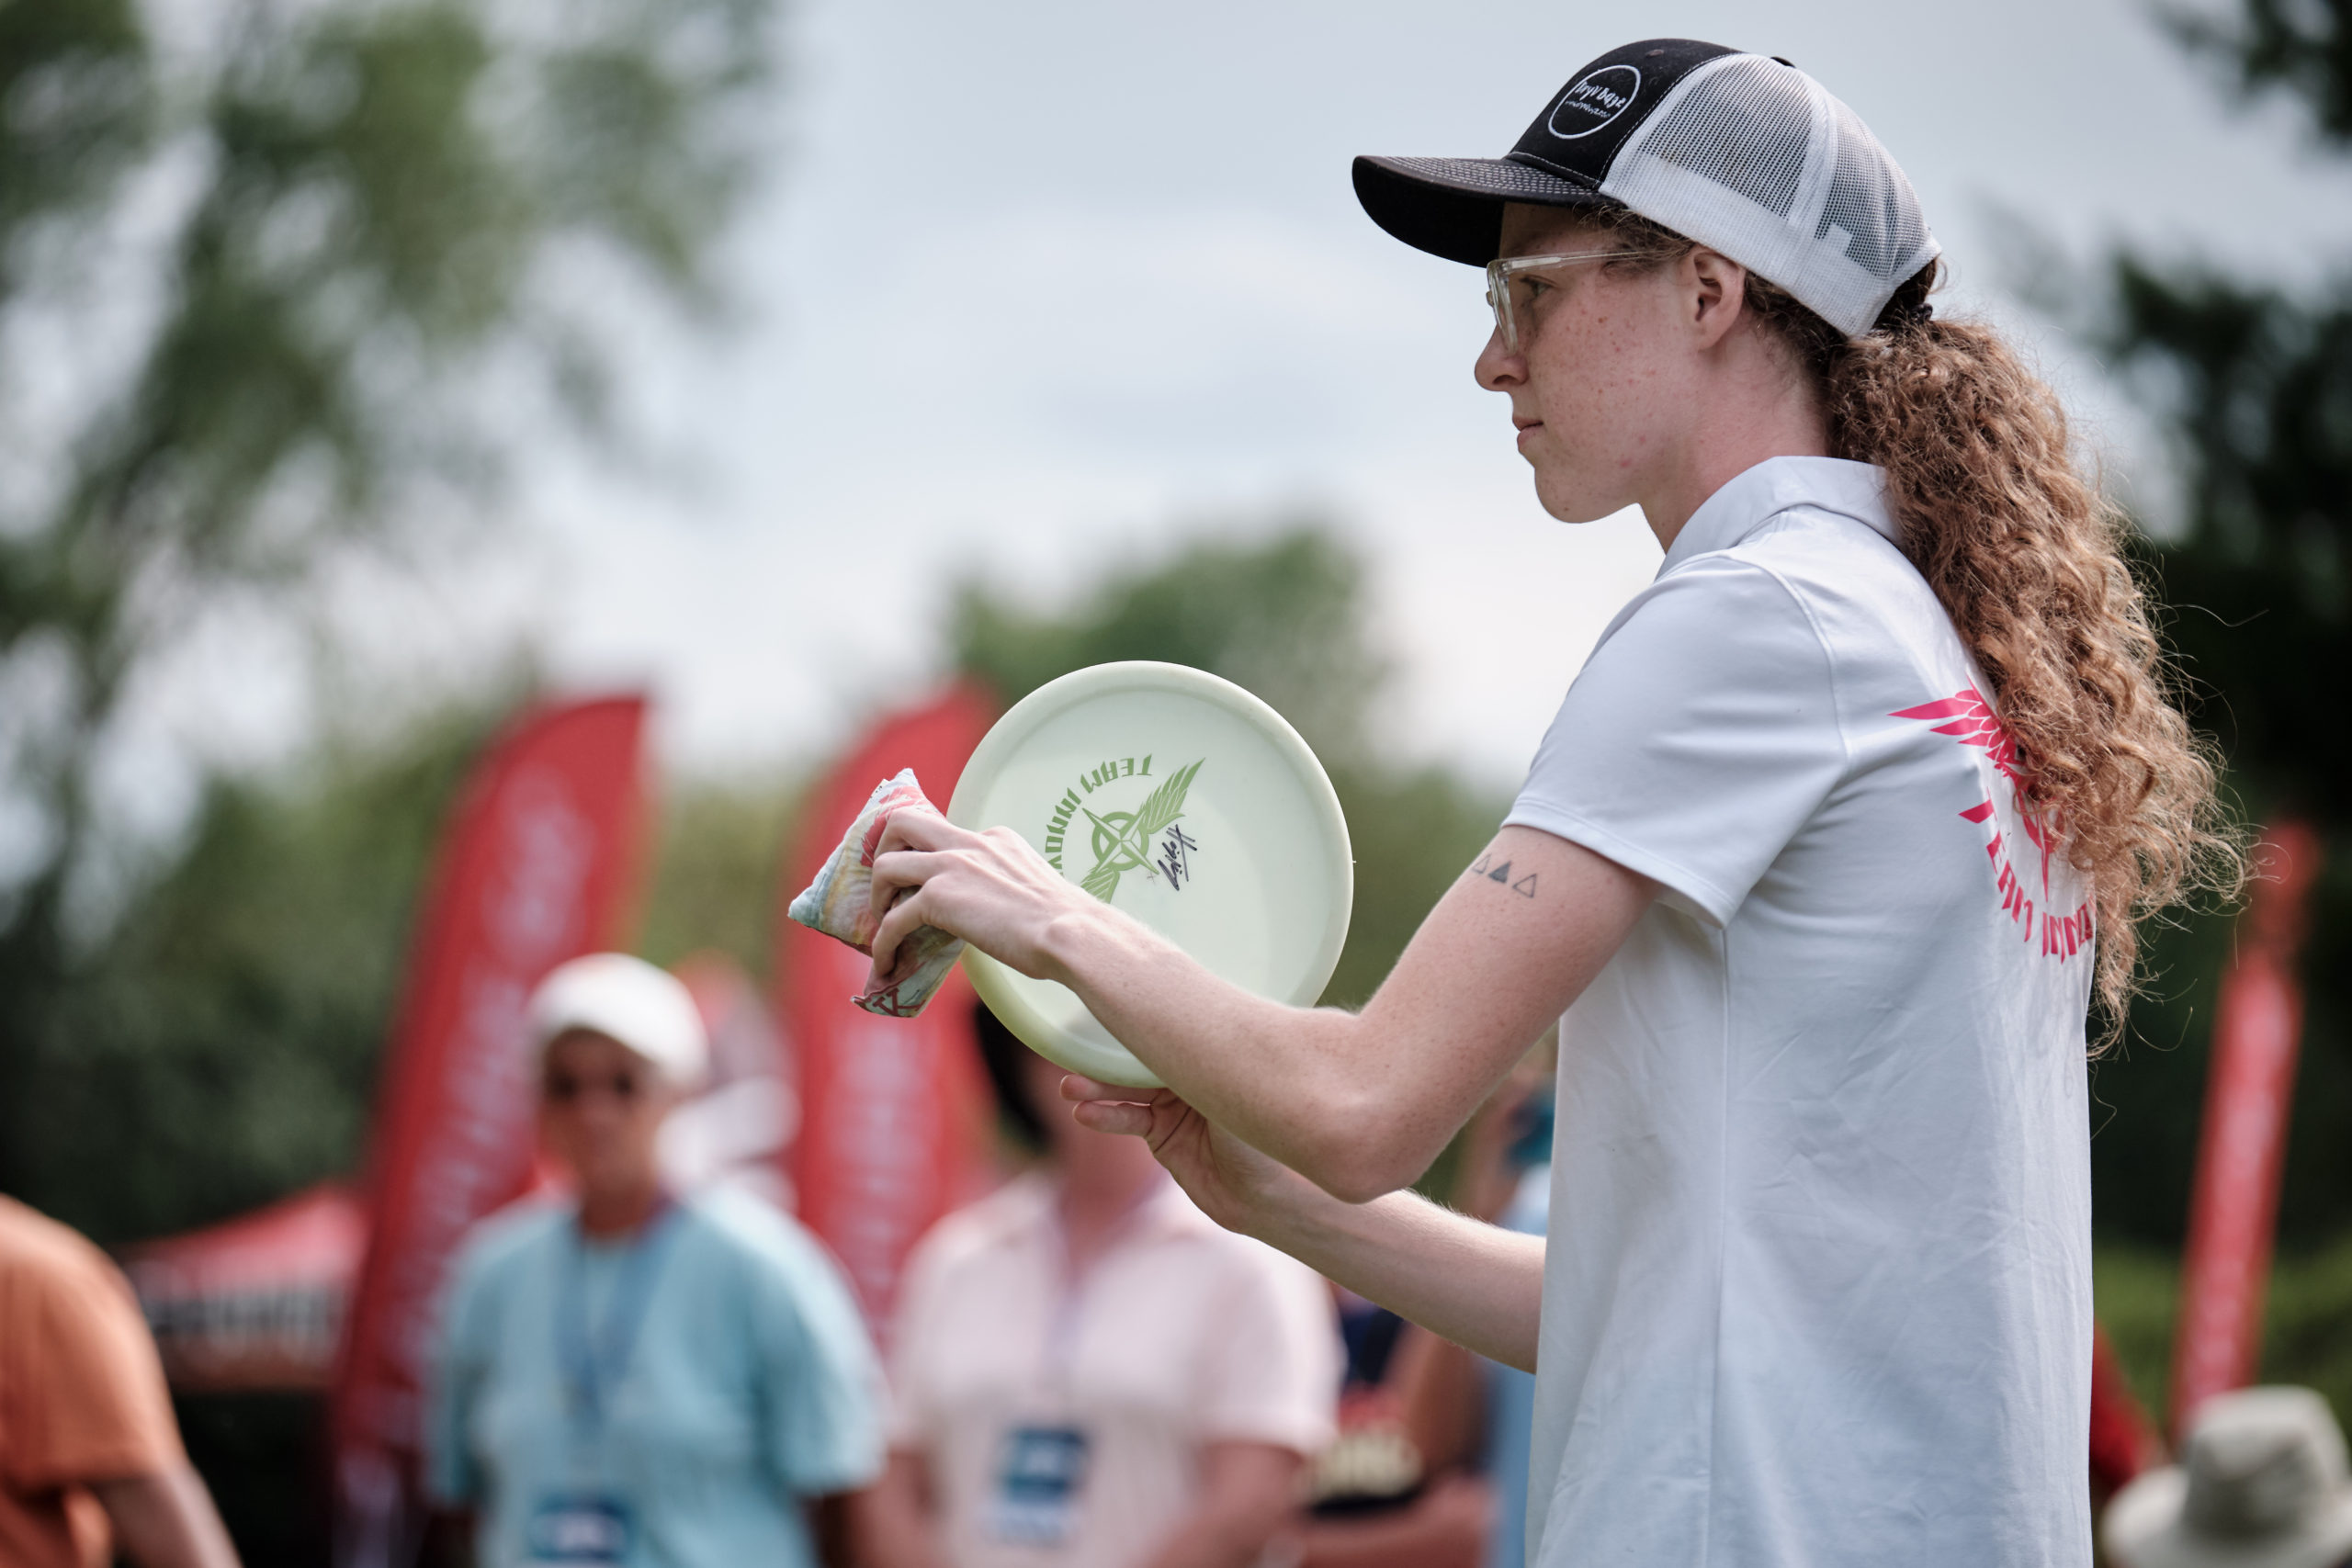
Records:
x=1086, y=1370
x=643, y=1377
x=89, y=1447
x=2262, y=1484
x=1376, y=1500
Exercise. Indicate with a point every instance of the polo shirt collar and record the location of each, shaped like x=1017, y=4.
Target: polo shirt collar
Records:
x=1753, y=498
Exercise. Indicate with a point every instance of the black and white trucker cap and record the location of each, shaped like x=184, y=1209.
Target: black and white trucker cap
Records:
x=1745, y=154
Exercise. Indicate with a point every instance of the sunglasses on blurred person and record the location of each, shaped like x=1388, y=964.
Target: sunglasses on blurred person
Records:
x=629, y=1087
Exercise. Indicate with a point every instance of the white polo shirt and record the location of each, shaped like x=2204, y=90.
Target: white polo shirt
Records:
x=1062, y=1420
x=1818, y=1288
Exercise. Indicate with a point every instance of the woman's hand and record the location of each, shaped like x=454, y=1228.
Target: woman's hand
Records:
x=1473, y=1283
x=1232, y=1183
x=993, y=889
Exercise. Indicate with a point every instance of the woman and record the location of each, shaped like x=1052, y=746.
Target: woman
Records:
x=1085, y=1371
x=1837, y=833
x=639, y=1376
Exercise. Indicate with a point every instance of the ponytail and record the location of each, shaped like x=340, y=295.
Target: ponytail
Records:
x=2026, y=558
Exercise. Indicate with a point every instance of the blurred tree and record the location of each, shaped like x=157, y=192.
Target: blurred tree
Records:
x=2254, y=384
x=220, y=1046
x=1284, y=619
x=1287, y=620
x=304, y=279
x=714, y=870
x=223, y=1040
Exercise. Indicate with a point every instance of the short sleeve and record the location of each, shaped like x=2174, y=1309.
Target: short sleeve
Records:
x=1275, y=1363
x=90, y=1402
x=1699, y=738
x=462, y=1348
x=822, y=1385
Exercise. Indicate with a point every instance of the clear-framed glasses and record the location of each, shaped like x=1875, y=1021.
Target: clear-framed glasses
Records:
x=1513, y=287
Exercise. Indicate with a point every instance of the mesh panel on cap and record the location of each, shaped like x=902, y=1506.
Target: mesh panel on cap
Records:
x=1879, y=213
x=1754, y=159
x=1717, y=131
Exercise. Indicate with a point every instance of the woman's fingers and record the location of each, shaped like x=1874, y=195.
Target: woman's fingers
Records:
x=1078, y=1086
x=993, y=889
x=910, y=828
x=899, y=872
x=900, y=920
x=1123, y=1117
x=1115, y=1107
x=915, y=828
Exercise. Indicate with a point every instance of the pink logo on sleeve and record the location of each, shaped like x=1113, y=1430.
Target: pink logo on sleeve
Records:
x=1969, y=720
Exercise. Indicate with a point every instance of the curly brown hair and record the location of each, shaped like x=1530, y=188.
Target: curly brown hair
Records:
x=2026, y=556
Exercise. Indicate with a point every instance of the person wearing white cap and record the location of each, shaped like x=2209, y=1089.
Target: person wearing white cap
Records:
x=1844, y=822
x=632, y=1375
x=2262, y=1484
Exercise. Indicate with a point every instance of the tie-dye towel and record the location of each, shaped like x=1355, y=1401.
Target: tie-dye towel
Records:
x=838, y=903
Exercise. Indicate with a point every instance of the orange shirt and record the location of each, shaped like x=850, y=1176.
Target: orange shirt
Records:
x=81, y=1395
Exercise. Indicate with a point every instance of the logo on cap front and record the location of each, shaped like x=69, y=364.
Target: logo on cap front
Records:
x=1596, y=100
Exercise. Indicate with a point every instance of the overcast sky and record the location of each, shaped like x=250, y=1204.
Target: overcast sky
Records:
x=1040, y=285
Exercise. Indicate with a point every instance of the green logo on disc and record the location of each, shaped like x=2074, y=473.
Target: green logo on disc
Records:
x=1125, y=840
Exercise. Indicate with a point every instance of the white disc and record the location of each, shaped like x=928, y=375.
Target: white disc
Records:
x=1184, y=801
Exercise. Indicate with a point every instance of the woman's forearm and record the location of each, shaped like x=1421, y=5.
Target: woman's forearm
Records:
x=1475, y=1284
x=1299, y=1084
x=1362, y=1103
x=1358, y=1104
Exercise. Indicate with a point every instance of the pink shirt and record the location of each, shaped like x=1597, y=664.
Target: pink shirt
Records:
x=1182, y=1335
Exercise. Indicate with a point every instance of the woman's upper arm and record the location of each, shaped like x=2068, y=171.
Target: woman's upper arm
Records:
x=1513, y=941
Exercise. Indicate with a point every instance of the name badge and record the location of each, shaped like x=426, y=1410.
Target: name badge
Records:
x=585, y=1527
x=1039, y=1476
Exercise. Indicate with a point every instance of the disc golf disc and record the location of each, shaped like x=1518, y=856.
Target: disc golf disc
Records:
x=1184, y=801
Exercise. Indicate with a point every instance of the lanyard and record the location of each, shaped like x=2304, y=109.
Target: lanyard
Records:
x=593, y=1363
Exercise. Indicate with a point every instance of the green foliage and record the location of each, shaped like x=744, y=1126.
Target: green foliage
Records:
x=715, y=876
x=2258, y=388
x=2307, y=1319
x=74, y=79
x=2136, y=1291
x=2148, y=1097
x=377, y=192
x=2307, y=1322
x=1413, y=834
x=1284, y=619
x=219, y=1049
x=1287, y=620
x=2254, y=386
x=2302, y=47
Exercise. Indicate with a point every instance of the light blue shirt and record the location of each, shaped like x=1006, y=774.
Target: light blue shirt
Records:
x=749, y=1385
x=1511, y=1401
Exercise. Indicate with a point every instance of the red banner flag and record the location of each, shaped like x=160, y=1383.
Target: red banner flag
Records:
x=893, y=1111
x=2125, y=1440
x=2257, y=1028
x=535, y=866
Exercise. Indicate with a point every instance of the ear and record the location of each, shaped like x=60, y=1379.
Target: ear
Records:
x=1715, y=289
